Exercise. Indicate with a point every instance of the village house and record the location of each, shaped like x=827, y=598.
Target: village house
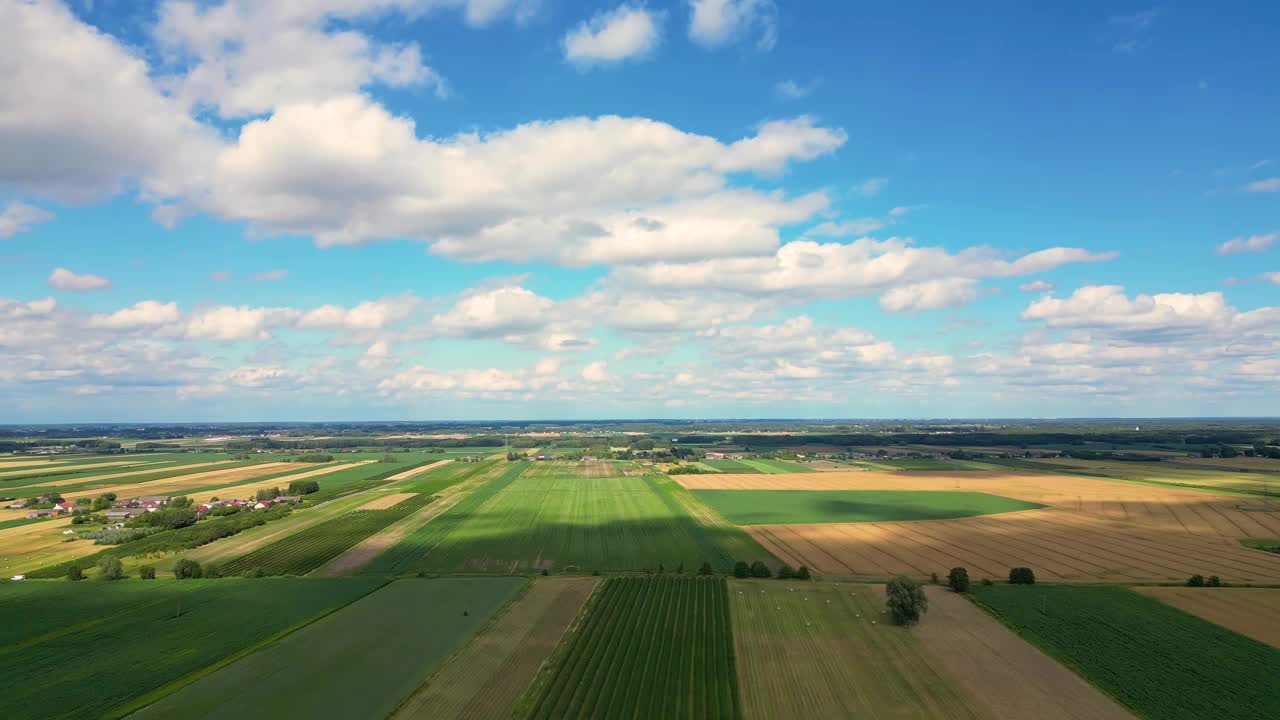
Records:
x=40, y=513
x=125, y=513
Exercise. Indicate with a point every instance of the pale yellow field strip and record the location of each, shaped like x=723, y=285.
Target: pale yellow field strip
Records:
x=177, y=483
x=7, y=464
x=1253, y=612
x=386, y=501
x=11, y=533
x=1012, y=677
x=414, y=472
x=92, y=466
x=158, y=467
x=248, y=490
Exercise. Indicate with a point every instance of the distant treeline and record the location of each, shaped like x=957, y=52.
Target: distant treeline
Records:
x=336, y=443
x=980, y=439
x=88, y=445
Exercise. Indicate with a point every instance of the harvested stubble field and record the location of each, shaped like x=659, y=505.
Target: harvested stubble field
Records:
x=36, y=469
x=774, y=507
x=649, y=647
x=176, y=483
x=1253, y=612
x=1159, y=661
x=1010, y=678
x=1178, y=472
x=386, y=501
x=359, y=662
x=416, y=471
x=1148, y=506
x=488, y=676
x=27, y=487
x=77, y=650
x=1058, y=544
x=825, y=650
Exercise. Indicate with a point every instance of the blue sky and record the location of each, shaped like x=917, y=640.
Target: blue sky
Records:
x=431, y=209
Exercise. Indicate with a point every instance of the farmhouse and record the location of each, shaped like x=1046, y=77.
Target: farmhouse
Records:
x=125, y=513
x=40, y=513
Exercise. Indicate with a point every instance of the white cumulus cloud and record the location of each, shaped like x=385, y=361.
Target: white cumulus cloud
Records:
x=64, y=279
x=627, y=31
x=715, y=23
x=19, y=217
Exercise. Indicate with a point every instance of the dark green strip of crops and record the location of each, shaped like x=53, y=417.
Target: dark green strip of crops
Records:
x=713, y=551
x=413, y=551
x=308, y=549
x=649, y=647
x=1159, y=661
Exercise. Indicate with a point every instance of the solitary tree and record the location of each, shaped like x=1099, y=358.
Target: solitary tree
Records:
x=741, y=569
x=786, y=572
x=185, y=569
x=110, y=568
x=958, y=579
x=760, y=570
x=1022, y=576
x=1214, y=581
x=705, y=569
x=147, y=572
x=1195, y=581
x=905, y=600
x=75, y=573
x=803, y=573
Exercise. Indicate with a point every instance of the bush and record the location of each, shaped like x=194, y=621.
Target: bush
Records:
x=225, y=510
x=905, y=600
x=1195, y=581
x=167, y=518
x=182, y=501
x=705, y=569
x=760, y=570
x=803, y=573
x=303, y=487
x=110, y=568
x=741, y=569
x=185, y=569
x=268, y=494
x=1022, y=576
x=213, y=571
x=147, y=572
x=75, y=573
x=255, y=573
x=119, y=536
x=1214, y=581
x=545, y=573
x=933, y=578
x=314, y=458
x=786, y=572
x=958, y=579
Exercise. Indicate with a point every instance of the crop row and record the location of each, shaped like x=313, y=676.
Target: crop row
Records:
x=308, y=549
x=1161, y=662
x=413, y=549
x=649, y=647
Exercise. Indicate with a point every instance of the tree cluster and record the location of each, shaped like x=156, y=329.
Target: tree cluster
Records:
x=1022, y=576
x=905, y=600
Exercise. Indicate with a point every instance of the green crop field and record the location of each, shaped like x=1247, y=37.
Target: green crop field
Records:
x=731, y=466
x=776, y=507
x=520, y=522
x=359, y=662
x=650, y=647
x=775, y=466
x=77, y=650
x=308, y=549
x=1161, y=662
x=825, y=650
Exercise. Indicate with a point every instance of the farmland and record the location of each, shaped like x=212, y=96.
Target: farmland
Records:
x=1010, y=677
x=772, y=507
x=1157, y=660
x=74, y=650
x=486, y=678
x=1252, y=612
x=824, y=650
x=361, y=661
x=518, y=522
x=306, y=550
x=649, y=647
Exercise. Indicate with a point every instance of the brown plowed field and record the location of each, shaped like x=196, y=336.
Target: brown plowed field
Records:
x=1254, y=612
x=1010, y=676
x=1149, y=506
x=486, y=678
x=1060, y=545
